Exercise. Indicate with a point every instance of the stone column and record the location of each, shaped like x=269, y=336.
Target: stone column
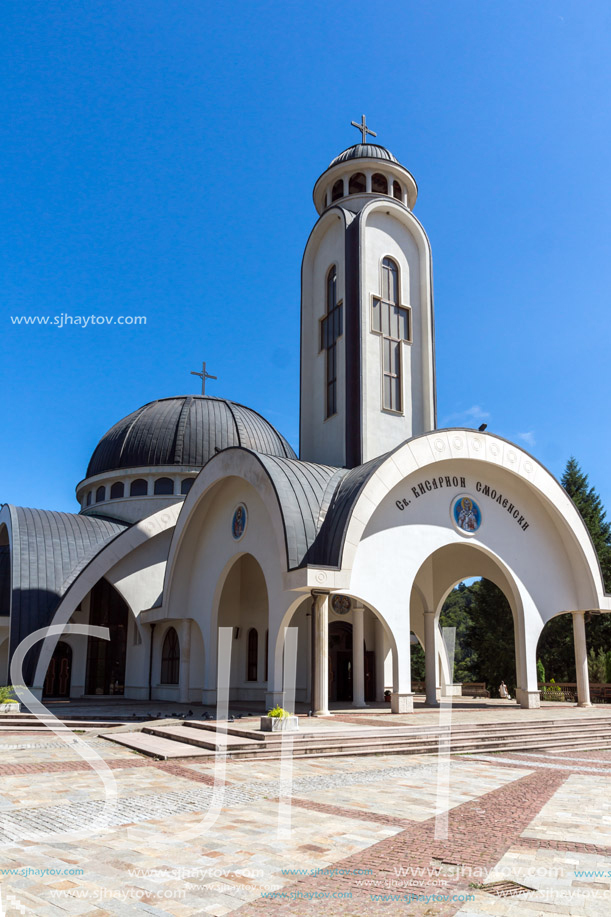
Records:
x=184, y=642
x=581, y=659
x=321, y=655
x=358, y=657
x=430, y=649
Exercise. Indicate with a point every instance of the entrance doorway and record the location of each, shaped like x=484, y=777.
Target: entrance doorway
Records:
x=340, y=661
x=106, y=658
x=57, y=682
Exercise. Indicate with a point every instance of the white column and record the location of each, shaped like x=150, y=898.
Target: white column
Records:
x=184, y=642
x=346, y=185
x=581, y=659
x=430, y=650
x=358, y=657
x=321, y=656
x=368, y=175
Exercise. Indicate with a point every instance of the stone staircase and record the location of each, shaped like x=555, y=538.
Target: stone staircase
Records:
x=209, y=740
x=27, y=722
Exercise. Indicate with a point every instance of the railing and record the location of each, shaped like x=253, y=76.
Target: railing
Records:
x=567, y=691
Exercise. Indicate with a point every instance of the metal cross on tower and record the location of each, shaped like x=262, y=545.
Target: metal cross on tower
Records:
x=203, y=376
x=362, y=127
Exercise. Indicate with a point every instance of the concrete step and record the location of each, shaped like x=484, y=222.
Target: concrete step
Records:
x=212, y=740
x=156, y=746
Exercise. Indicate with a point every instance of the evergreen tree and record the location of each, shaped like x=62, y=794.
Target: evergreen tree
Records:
x=589, y=504
x=556, y=647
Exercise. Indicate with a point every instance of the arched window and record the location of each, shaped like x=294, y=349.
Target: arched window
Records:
x=253, y=652
x=100, y=494
x=338, y=189
x=357, y=183
x=117, y=490
x=186, y=485
x=170, y=658
x=89, y=499
x=164, y=486
x=330, y=330
x=397, y=191
x=379, y=185
x=392, y=322
x=138, y=488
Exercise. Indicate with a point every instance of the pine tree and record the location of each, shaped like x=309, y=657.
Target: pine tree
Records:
x=589, y=504
x=556, y=643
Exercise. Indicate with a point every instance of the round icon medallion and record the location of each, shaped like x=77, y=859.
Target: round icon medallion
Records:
x=238, y=523
x=466, y=514
x=341, y=604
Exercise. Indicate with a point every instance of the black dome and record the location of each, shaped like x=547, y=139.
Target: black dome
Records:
x=187, y=430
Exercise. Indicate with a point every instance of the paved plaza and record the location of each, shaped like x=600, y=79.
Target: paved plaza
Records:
x=380, y=834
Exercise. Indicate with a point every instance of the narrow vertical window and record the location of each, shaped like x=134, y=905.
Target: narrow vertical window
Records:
x=170, y=658
x=331, y=327
x=253, y=652
x=392, y=321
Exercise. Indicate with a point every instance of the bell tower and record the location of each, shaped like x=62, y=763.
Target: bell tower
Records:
x=367, y=335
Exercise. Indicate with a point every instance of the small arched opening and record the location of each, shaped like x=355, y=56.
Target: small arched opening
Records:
x=379, y=183
x=164, y=487
x=338, y=190
x=357, y=183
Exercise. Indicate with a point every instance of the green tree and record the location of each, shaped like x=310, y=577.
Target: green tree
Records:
x=589, y=504
x=455, y=613
x=492, y=637
x=556, y=647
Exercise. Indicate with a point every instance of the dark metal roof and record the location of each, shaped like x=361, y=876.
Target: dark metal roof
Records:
x=5, y=580
x=187, y=430
x=304, y=493
x=364, y=151
x=49, y=550
x=327, y=549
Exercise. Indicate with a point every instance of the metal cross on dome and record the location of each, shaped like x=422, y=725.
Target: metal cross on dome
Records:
x=203, y=376
x=362, y=127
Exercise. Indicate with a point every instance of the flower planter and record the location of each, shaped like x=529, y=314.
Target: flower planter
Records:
x=279, y=724
x=10, y=708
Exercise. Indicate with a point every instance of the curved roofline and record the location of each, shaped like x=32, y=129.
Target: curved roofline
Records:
x=182, y=431
x=373, y=466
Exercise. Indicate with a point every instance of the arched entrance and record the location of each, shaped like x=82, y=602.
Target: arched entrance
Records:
x=57, y=681
x=106, y=658
x=243, y=606
x=435, y=581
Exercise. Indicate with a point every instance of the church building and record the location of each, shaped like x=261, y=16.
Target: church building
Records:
x=201, y=535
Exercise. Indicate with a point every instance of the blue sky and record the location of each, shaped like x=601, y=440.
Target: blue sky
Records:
x=158, y=159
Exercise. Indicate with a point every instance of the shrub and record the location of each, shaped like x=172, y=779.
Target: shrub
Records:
x=7, y=695
x=279, y=712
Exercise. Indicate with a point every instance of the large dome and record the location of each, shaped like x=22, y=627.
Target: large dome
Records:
x=184, y=431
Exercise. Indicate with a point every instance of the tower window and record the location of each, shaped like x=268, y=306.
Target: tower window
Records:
x=164, y=486
x=186, y=485
x=357, y=183
x=330, y=330
x=100, y=495
x=338, y=190
x=397, y=191
x=379, y=185
x=253, y=652
x=117, y=490
x=139, y=488
x=392, y=322
x=170, y=658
